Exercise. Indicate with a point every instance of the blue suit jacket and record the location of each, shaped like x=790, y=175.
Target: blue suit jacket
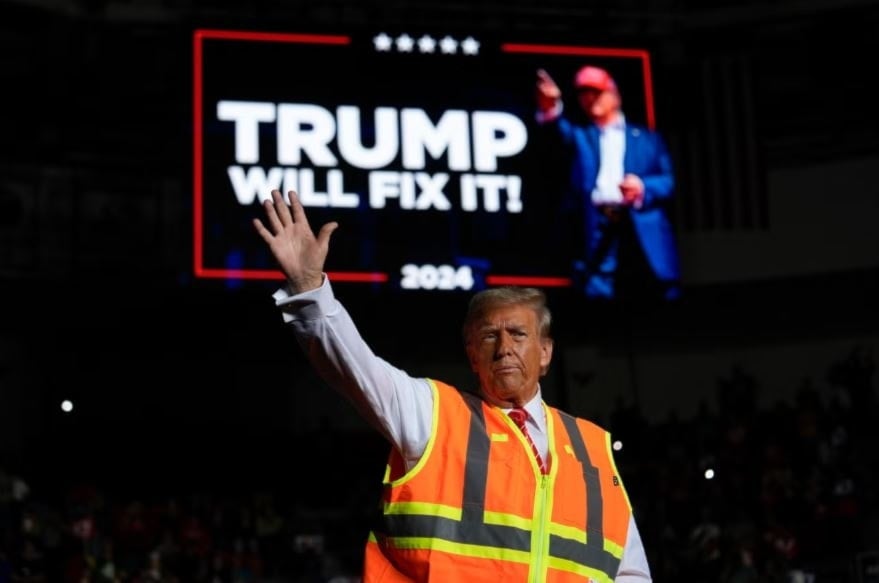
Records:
x=647, y=156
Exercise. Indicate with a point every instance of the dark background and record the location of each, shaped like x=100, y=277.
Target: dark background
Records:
x=183, y=385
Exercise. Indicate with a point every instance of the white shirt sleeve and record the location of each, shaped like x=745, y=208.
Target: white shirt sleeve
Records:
x=396, y=404
x=633, y=566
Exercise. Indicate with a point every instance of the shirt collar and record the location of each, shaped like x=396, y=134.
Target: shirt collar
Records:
x=618, y=125
x=534, y=407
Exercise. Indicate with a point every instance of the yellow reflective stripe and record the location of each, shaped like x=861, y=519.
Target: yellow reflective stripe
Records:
x=578, y=569
x=422, y=461
x=464, y=550
x=484, y=552
x=613, y=467
x=540, y=535
x=500, y=437
x=423, y=509
x=543, y=505
x=613, y=548
x=506, y=519
x=500, y=519
x=550, y=442
x=568, y=532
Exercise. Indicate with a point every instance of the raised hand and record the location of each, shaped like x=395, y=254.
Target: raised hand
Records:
x=299, y=254
x=548, y=92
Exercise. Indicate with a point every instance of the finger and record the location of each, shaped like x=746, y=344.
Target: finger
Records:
x=269, y=206
x=263, y=232
x=281, y=208
x=323, y=238
x=298, y=211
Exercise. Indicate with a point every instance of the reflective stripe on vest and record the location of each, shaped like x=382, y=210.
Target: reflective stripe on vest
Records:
x=469, y=526
x=593, y=552
x=466, y=531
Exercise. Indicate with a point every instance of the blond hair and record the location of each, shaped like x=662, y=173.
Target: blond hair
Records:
x=489, y=299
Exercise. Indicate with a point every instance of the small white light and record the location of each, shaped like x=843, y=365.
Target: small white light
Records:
x=709, y=474
x=67, y=405
x=617, y=445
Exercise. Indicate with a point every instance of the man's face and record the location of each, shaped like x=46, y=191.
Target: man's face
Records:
x=508, y=355
x=600, y=106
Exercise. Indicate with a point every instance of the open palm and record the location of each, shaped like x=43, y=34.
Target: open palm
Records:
x=299, y=254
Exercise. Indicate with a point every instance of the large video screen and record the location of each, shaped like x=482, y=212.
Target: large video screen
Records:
x=426, y=148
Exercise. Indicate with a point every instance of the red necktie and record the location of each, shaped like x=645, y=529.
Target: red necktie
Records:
x=519, y=416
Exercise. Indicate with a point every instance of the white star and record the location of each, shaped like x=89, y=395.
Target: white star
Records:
x=448, y=45
x=470, y=46
x=426, y=44
x=382, y=42
x=405, y=43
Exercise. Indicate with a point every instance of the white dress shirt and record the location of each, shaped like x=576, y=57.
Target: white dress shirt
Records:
x=611, y=156
x=612, y=151
x=396, y=404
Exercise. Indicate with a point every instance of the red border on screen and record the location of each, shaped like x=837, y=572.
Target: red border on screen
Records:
x=200, y=35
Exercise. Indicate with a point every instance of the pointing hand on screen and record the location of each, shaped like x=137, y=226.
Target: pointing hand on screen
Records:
x=548, y=92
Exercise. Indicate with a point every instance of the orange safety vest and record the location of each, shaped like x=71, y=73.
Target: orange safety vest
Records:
x=475, y=508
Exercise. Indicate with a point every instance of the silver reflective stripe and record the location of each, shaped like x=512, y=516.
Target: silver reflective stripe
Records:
x=592, y=553
x=464, y=532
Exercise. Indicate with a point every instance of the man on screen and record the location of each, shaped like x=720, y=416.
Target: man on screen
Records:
x=622, y=181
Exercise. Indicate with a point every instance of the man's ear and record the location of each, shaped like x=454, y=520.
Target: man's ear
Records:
x=471, y=356
x=546, y=346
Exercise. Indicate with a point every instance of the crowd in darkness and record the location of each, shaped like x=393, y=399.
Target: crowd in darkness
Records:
x=793, y=498
x=793, y=495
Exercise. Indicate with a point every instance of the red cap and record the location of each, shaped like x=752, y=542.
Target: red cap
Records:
x=596, y=77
